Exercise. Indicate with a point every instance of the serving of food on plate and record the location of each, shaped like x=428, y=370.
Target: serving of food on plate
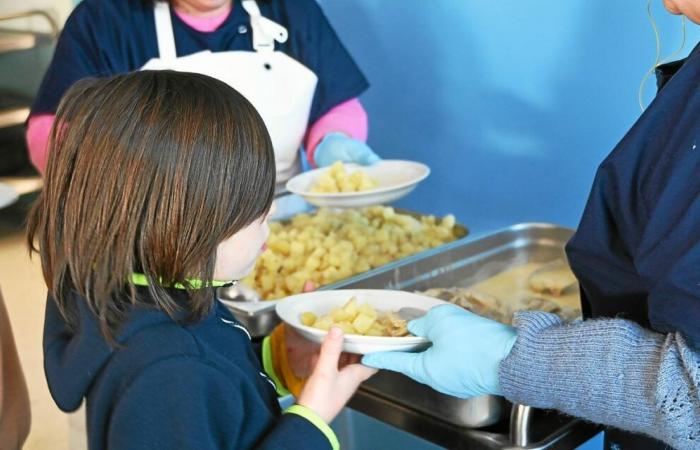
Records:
x=358, y=318
x=338, y=179
x=352, y=186
x=368, y=317
x=371, y=319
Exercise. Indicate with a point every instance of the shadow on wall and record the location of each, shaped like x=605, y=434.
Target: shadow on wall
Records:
x=512, y=104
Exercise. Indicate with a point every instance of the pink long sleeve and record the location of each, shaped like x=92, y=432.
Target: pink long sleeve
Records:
x=349, y=117
x=38, y=130
x=204, y=24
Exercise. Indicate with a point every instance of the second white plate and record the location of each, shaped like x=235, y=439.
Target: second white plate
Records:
x=396, y=179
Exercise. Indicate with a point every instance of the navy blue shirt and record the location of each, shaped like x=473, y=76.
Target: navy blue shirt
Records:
x=169, y=385
x=636, y=252
x=109, y=37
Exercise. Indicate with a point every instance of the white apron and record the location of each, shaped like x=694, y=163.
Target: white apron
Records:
x=280, y=87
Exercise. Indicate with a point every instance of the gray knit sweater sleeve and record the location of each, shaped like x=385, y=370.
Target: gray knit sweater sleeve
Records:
x=608, y=371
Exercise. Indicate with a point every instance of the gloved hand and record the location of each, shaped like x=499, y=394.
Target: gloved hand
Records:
x=464, y=358
x=339, y=147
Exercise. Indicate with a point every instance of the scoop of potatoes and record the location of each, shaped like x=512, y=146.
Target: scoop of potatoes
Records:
x=357, y=318
x=338, y=179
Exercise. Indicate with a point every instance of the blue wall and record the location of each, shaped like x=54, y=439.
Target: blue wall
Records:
x=513, y=104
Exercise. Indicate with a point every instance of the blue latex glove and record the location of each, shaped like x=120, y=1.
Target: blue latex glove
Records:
x=338, y=147
x=464, y=358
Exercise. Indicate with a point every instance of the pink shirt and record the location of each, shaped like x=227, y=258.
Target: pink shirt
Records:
x=348, y=117
x=204, y=24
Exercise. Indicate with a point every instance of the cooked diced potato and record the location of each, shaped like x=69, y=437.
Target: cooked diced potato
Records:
x=312, y=264
x=296, y=248
x=350, y=307
x=366, y=310
x=356, y=318
x=340, y=315
x=278, y=245
x=324, y=323
x=308, y=318
x=337, y=179
x=363, y=322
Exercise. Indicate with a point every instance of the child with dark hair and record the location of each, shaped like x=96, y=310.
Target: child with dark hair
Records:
x=157, y=191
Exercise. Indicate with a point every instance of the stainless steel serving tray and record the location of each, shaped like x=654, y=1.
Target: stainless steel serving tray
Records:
x=261, y=321
x=461, y=263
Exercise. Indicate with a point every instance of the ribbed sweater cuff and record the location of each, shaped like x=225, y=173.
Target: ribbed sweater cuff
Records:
x=609, y=371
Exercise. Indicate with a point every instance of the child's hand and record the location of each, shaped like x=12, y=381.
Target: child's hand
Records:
x=302, y=354
x=328, y=389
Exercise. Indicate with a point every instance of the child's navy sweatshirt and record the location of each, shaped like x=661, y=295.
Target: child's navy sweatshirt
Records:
x=171, y=385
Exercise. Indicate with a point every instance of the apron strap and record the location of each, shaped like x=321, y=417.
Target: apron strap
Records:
x=164, y=30
x=265, y=31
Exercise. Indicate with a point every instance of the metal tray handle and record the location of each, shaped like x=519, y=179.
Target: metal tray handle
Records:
x=520, y=417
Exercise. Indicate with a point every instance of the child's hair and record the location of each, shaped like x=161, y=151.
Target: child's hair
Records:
x=148, y=172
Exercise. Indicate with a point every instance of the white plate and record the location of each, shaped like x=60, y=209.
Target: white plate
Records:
x=8, y=195
x=396, y=179
x=321, y=302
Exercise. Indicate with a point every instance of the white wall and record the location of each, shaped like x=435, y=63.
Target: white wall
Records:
x=513, y=104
